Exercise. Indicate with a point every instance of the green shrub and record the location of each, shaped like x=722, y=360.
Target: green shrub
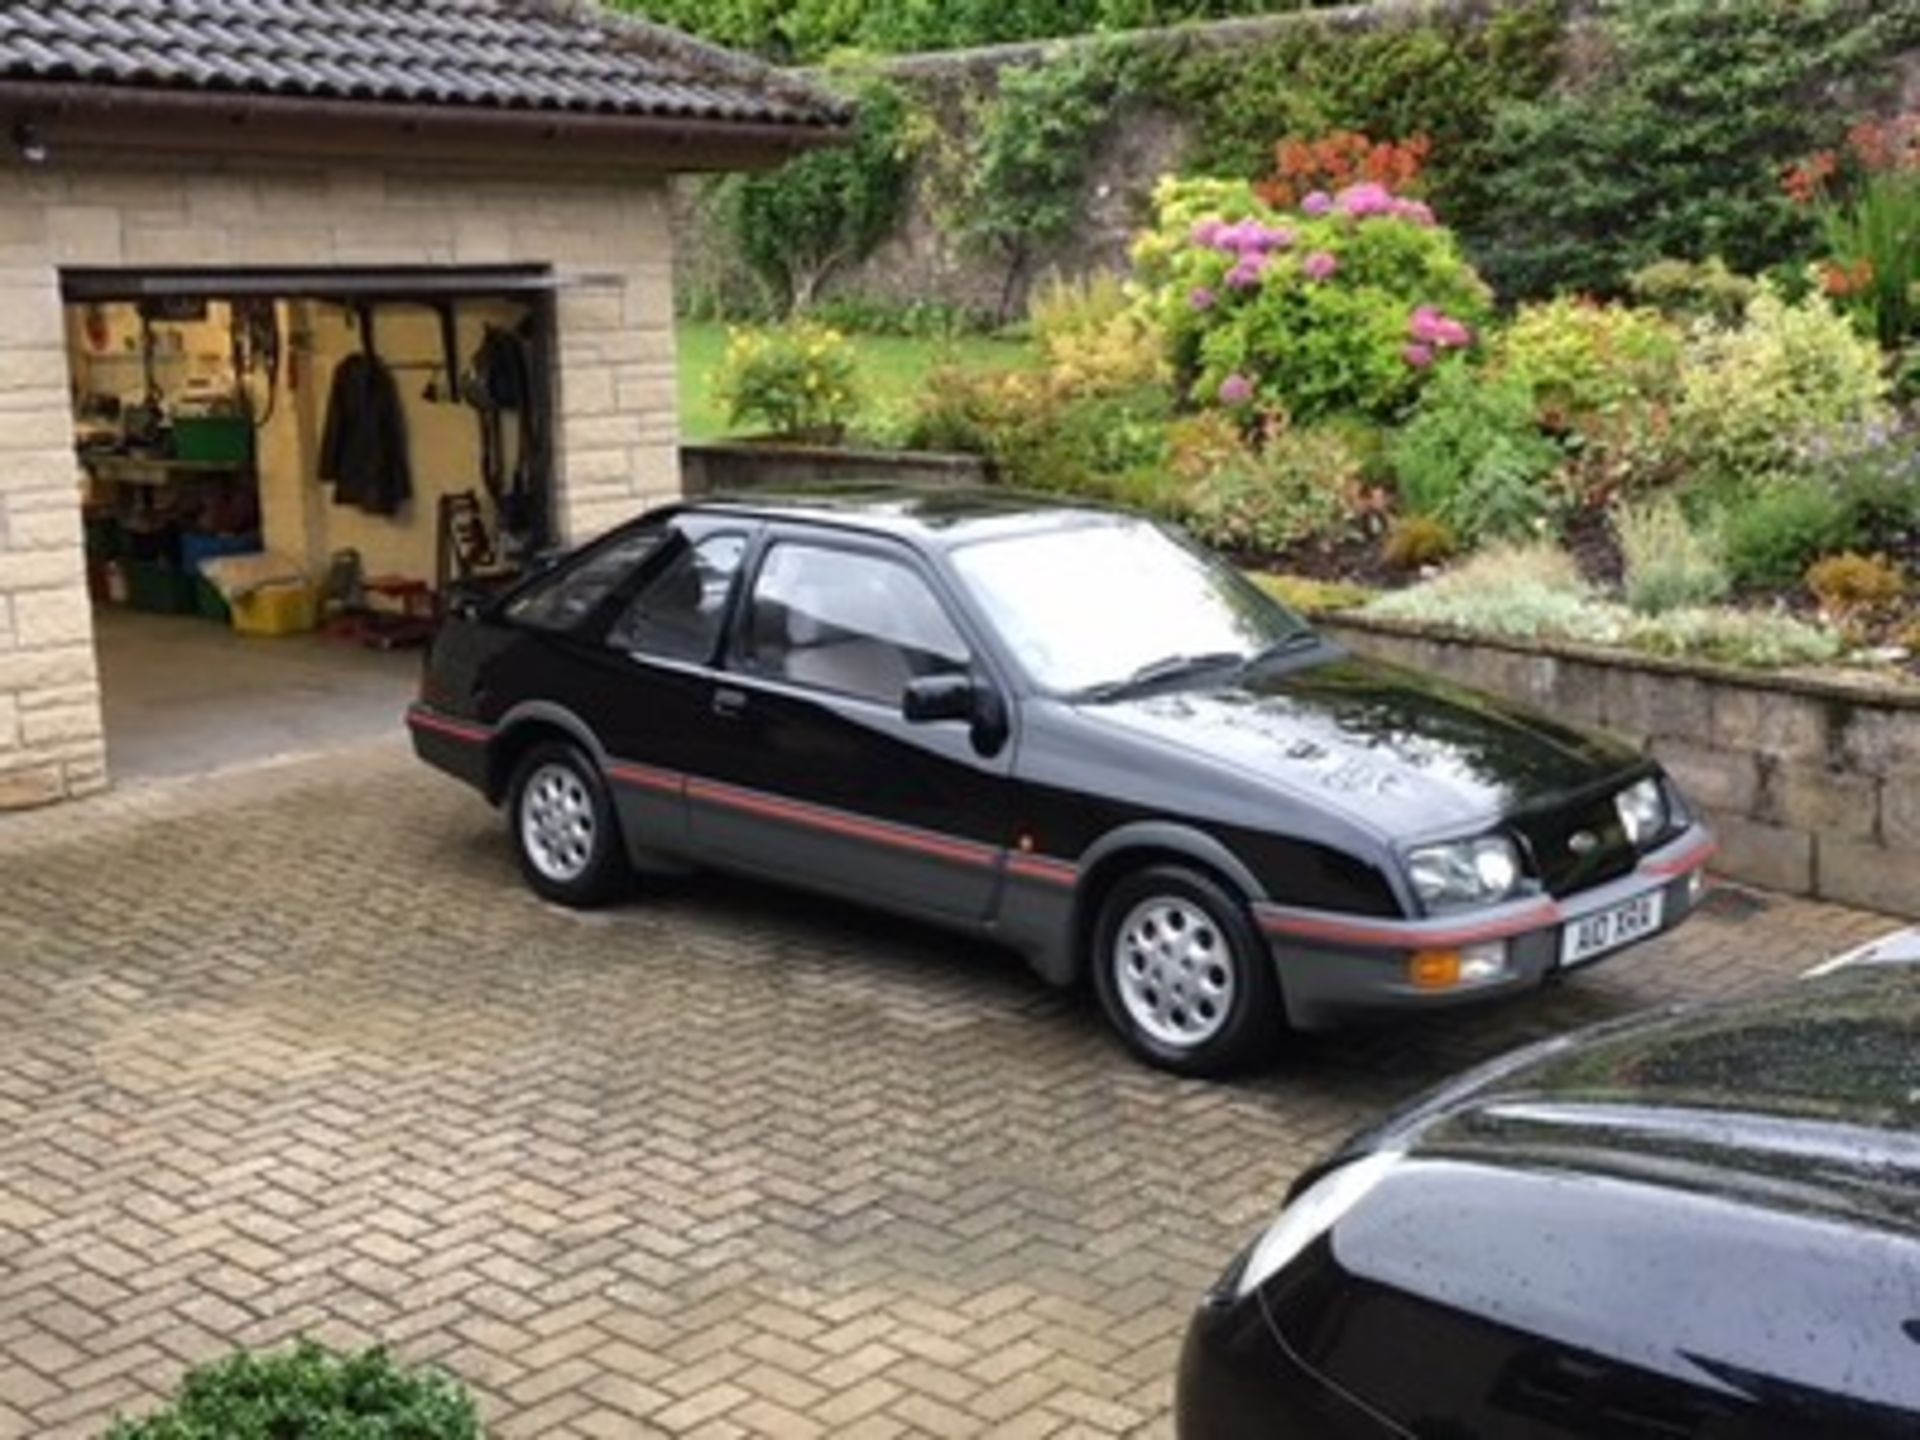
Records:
x=1306, y=316
x=1525, y=592
x=1694, y=290
x=1027, y=158
x=1670, y=565
x=1673, y=145
x=1585, y=361
x=1535, y=593
x=794, y=227
x=1773, y=532
x=1093, y=337
x=1761, y=640
x=797, y=381
x=1414, y=542
x=1298, y=486
x=1874, y=472
x=1306, y=596
x=1753, y=396
x=310, y=1394
x=1473, y=458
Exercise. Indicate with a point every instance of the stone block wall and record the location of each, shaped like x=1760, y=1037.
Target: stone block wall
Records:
x=618, y=429
x=1813, y=785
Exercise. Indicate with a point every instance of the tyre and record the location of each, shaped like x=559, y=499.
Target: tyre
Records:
x=1183, y=975
x=564, y=829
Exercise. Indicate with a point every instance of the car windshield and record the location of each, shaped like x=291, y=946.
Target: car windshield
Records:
x=1102, y=607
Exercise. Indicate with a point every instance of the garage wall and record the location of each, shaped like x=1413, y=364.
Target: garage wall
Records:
x=615, y=449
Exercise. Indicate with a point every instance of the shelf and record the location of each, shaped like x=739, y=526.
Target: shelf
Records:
x=154, y=472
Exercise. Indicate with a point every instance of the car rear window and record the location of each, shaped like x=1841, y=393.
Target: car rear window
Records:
x=562, y=600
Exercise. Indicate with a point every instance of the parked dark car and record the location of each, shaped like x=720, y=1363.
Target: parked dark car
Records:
x=1702, y=1225
x=1061, y=728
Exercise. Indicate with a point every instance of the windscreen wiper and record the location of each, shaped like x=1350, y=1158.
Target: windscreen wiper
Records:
x=1172, y=667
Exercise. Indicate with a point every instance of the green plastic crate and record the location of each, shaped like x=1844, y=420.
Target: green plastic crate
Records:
x=213, y=440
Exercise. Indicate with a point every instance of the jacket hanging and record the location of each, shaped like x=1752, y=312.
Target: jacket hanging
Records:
x=363, y=445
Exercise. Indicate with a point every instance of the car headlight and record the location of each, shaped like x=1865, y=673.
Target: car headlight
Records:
x=1468, y=872
x=1314, y=1212
x=1643, y=810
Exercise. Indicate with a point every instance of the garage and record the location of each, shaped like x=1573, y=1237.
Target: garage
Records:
x=309, y=315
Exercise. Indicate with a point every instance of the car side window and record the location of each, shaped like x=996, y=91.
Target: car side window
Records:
x=678, y=615
x=849, y=622
x=563, y=600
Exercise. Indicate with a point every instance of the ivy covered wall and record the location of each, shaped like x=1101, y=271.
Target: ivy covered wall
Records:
x=1571, y=142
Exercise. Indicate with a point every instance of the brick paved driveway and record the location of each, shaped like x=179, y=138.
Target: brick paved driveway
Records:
x=292, y=1051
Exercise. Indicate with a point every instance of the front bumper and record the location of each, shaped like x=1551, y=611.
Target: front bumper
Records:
x=1336, y=967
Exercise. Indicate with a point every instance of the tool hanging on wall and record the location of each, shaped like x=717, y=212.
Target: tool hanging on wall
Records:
x=257, y=351
x=500, y=382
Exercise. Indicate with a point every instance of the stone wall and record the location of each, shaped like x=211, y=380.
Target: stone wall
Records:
x=1812, y=784
x=618, y=429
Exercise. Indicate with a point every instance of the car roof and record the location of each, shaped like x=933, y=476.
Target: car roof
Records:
x=1812, y=1092
x=940, y=516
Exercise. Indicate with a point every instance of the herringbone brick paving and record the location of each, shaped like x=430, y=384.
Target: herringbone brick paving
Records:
x=293, y=1052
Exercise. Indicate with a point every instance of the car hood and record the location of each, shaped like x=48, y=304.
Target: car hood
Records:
x=1402, y=753
x=1808, y=1098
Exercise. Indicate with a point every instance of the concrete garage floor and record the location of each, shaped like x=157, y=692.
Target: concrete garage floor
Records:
x=184, y=696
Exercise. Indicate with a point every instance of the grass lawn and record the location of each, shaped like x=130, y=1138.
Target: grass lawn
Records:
x=892, y=369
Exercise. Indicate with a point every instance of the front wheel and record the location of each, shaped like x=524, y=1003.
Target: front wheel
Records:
x=564, y=828
x=1182, y=974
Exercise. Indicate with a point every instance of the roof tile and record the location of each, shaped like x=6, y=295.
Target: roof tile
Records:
x=559, y=55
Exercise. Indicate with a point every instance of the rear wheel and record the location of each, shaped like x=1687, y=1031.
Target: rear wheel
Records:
x=1182, y=974
x=564, y=828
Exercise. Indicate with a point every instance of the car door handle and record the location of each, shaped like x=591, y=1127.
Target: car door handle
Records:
x=729, y=704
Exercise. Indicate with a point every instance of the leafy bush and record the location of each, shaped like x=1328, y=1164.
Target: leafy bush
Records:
x=310, y=1394
x=1414, y=542
x=1535, y=593
x=795, y=226
x=1306, y=596
x=915, y=319
x=1473, y=458
x=1870, y=216
x=1670, y=565
x=1297, y=487
x=1694, y=290
x=1518, y=591
x=1341, y=307
x=1844, y=584
x=1673, y=146
x=1585, y=361
x=1772, y=533
x=1873, y=471
x=1027, y=160
x=1753, y=396
x=1339, y=159
x=1093, y=337
x=1762, y=640
x=797, y=381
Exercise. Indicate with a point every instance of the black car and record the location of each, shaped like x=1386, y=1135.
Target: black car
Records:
x=1702, y=1225
x=1062, y=728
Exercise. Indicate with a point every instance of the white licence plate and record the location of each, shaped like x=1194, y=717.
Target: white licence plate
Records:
x=1592, y=936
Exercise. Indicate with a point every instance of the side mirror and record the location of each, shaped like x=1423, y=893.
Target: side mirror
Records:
x=933, y=698
x=936, y=698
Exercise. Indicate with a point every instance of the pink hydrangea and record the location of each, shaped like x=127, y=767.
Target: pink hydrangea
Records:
x=1207, y=233
x=1275, y=239
x=1247, y=273
x=1319, y=202
x=1417, y=211
x=1320, y=266
x=1236, y=389
x=1203, y=298
x=1431, y=327
x=1366, y=200
x=1418, y=356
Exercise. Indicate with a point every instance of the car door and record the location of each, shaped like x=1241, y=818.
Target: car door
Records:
x=650, y=672
x=813, y=774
